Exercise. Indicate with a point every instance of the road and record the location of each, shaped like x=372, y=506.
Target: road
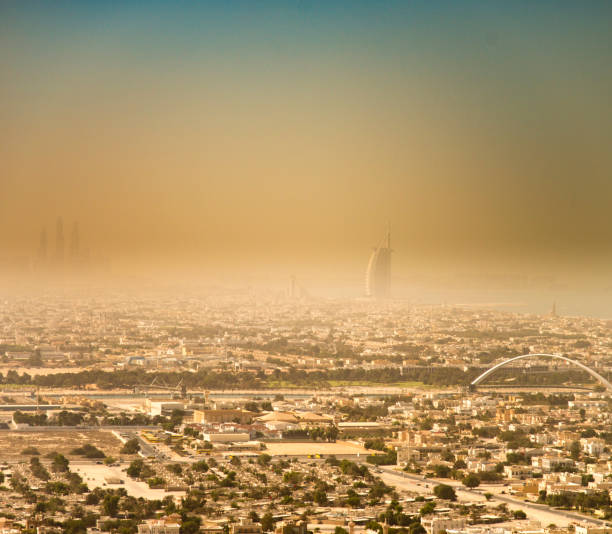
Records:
x=539, y=512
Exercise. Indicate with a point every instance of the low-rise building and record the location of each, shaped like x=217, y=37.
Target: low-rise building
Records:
x=435, y=524
x=165, y=525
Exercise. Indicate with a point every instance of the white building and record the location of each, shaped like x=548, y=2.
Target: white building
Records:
x=228, y=437
x=165, y=525
x=434, y=525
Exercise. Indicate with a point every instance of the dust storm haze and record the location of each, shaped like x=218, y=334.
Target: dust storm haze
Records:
x=239, y=141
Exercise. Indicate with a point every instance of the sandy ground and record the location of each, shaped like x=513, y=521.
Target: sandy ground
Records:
x=12, y=443
x=313, y=448
x=95, y=476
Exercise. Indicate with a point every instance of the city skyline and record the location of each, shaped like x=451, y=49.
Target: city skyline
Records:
x=227, y=138
x=306, y=267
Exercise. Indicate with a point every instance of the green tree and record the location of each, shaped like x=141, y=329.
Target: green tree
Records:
x=38, y=469
x=88, y=451
x=191, y=525
x=156, y=482
x=267, y=522
x=575, y=450
x=471, y=480
x=444, y=491
x=110, y=505
x=331, y=433
x=60, y=463
x=441, y=471
x=66, y=418
x=59, y=488
x=353, y=499
x=135, y=468
x=201, y=466
x=319, y=497
x=427, y=508
x=92, y=498
x=252, y=406
x=131, y=446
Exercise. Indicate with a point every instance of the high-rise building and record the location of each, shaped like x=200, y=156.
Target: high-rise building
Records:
x=293, y=293
x=378, y=275
x=75, y=241
x=59, y=240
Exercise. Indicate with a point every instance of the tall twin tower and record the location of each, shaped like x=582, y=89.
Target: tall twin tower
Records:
x=378, y=275
x=60, y=246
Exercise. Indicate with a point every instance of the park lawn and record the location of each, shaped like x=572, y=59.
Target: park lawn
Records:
x=405, y=384
x=285, y=384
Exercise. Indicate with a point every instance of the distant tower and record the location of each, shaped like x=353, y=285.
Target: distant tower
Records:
x=59, y=240
x=292, y=287
x=75, y=242
x=378, y=274
x=42, y=248
x=553, y=312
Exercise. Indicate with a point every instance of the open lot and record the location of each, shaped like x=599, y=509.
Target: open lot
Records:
x=13, y=442
x=315, y=447
x=95, y=476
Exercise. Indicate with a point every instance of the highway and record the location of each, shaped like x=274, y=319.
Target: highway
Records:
x=541, y=512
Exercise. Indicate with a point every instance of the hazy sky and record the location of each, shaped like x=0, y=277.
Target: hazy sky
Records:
x=251, y=133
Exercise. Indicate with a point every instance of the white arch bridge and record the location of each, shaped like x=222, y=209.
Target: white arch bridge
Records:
x=490, y=371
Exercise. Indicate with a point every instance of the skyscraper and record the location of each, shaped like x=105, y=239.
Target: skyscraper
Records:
x=75, y=242
x=378, y=275
x=59, y=240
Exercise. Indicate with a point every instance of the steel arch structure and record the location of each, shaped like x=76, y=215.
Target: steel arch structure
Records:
x=490, y=371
